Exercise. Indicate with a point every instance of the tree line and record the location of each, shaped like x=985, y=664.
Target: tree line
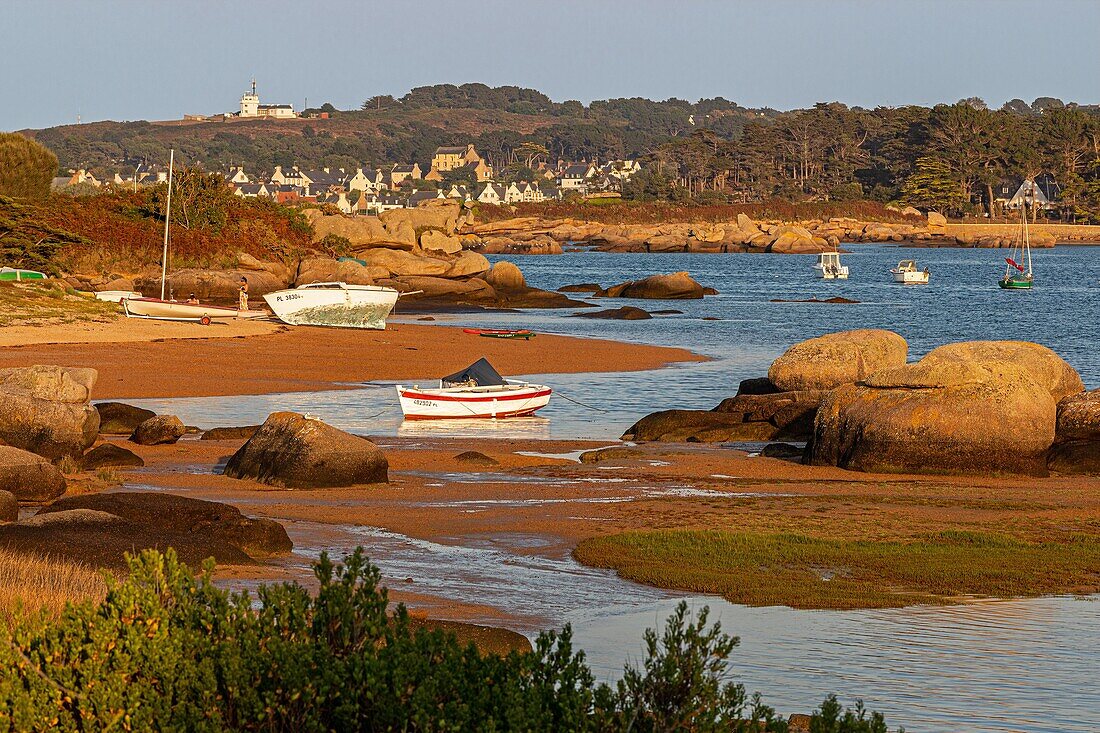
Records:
x=950, y=157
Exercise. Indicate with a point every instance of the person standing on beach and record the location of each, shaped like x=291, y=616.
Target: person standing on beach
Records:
x=242, y=303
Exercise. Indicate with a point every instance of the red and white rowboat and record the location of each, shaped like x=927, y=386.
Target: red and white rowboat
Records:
x=492, y=401
x=477, y=391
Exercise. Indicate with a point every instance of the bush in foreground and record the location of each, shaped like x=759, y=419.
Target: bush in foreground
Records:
x=168, y=651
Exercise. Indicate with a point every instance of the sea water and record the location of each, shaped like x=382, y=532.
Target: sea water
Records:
x=1014, y=665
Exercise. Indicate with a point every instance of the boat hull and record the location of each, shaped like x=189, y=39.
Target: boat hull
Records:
x=338, y=307
x=116, y=296
x=460, y=403
x=1010, y=284
x=11, y=274
x=910, y=278
x=170, y=310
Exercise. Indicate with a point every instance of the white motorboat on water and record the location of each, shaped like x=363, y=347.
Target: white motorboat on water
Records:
x=477, y=391
x=828, y=267
x=334, y=304
x=907, y=273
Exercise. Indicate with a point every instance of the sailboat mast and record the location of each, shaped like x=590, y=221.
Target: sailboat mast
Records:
x=167, y=217
x=1027, y=239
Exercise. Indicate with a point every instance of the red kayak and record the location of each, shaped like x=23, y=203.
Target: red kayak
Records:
x=500, y=333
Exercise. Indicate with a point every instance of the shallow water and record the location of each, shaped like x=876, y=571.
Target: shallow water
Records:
x=992, y=666
x=962, y=302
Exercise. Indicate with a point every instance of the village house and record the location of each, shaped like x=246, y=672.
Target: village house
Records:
x=574, y=177
x=492, y=193
x=447, y=159
x=400, y=173
x=417, y=196
x=236, y=175
x=252, y=190
x=374, y=204
x=365, y=179
x=459, y=192
x=339, y=199
x=1037, y=192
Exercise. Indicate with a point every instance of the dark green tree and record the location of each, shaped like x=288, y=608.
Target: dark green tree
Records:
x=27, y=168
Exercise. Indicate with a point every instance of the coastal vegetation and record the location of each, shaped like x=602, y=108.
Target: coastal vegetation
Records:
x=30, y=583
x=27, y=167
x=165, y=650
x=123, y=230
x=803, y=571
x=49, y=303
x=950, y=157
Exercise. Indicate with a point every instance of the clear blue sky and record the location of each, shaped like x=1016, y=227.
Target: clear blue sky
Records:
x=155, y=59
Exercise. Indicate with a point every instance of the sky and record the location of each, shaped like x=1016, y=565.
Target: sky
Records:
x=161, y=59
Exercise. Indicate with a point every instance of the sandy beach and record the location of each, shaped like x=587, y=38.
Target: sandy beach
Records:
x=144, y=359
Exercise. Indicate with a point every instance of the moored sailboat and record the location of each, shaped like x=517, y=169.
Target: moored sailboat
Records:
x=1019, y=276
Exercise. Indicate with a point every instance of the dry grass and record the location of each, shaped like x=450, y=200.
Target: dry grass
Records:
x=49, y=303
x=36, y=583
x=808, y=572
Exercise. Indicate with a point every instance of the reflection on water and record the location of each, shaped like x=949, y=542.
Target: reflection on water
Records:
x=1024, y=665
x=532, y=428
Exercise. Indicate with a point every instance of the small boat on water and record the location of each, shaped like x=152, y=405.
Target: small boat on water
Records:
x=476, y=391
x=334, y=304
x=907, y=273
x=828, y=267
x=501, y=333
x=1017, y=276
x=14, y=274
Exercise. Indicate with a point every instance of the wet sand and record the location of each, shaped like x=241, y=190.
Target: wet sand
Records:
x=150, y=359
x=540, y=506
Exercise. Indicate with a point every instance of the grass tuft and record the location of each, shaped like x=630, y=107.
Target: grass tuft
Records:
x=807, y=572
x=36, y=583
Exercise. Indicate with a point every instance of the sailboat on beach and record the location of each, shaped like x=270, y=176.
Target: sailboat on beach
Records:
x=173, y=310
x=1019, y=276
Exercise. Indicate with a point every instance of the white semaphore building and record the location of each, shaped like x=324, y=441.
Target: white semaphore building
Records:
x=251, y=107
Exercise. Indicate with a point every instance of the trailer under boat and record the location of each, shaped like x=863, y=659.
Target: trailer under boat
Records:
x=478, y=391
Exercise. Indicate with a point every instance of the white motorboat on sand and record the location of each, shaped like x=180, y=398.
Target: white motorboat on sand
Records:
x=334, y=304
x=477, y=391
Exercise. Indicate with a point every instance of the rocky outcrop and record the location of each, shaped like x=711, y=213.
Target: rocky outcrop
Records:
x=110, y=455
x=676, y=286
x=69, y=530
x=746, y=417
x=1076, y=449
x=293, y=451
x=476, y=458
x=435, y=240
x=181, y=515
x=834, y=359
x=1043, y=365
x=626, y=313
x=9, y=507
x=118, y=418
x=396, y=262
x=29, y=477
x=211, y=285
x=506, y=276
x=468, y=264
x=581, y=288
x=937, y=416
x=327, y=269
x=159, y=430
x=45, y=410
x=243, y=432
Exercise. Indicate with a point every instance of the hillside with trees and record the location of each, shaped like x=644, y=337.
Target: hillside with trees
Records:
x=948, y=157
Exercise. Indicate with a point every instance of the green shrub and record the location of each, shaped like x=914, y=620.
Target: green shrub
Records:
x=168, y=651
x=27, y=167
